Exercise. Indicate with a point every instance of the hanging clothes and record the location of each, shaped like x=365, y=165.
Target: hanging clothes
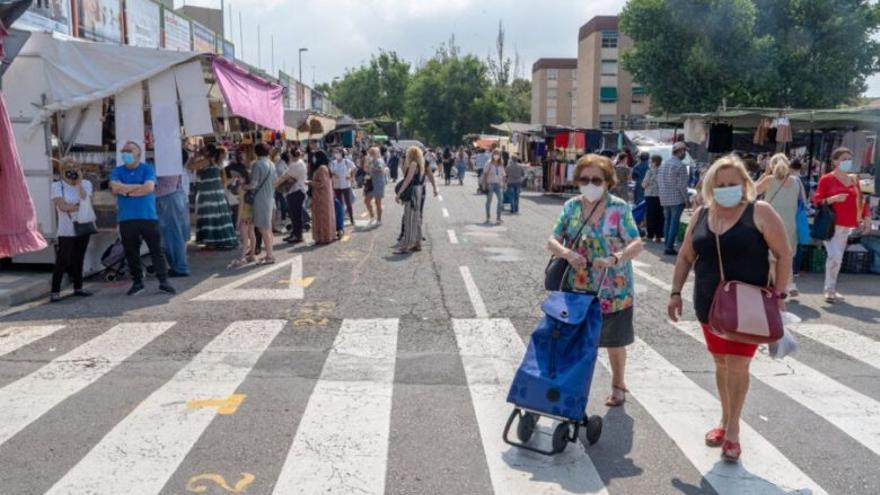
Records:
x=561, y=140
x=695, y=130
x=761, y=132
x=857, y=142
x=720, y=138
x=594, y=141
x=580, y=141
x=783, y=130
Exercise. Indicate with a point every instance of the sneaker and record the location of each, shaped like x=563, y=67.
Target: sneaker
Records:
x=136, y=288
x=175, y=274
x=670, y=252
x=83, y=293
x=55, y=297
x=167, y=288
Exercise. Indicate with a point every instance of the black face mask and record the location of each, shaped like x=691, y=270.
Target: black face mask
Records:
x=71, y=174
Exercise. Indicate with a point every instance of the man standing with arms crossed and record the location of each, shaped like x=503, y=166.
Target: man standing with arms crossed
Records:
x=133, y=184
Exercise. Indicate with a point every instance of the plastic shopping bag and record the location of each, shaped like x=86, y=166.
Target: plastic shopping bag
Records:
x=787, y=344
x=86, y=213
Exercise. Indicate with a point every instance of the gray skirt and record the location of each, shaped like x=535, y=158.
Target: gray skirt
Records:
x=617, y=329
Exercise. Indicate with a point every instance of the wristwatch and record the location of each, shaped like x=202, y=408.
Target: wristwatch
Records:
x=782, y=296
x=616, y=259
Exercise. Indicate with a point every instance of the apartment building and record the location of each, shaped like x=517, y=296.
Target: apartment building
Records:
x=554, y=91
x=607, y=98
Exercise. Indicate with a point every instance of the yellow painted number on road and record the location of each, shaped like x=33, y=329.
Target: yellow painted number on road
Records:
x=198, y=484
x=224, y=407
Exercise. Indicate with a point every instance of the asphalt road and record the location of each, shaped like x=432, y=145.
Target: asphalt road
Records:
x=366, y=372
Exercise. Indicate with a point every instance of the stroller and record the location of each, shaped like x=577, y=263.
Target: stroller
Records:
x=113, y=260
x=555, y=376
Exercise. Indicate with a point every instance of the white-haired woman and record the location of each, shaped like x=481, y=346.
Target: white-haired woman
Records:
x=748, y=231
x=375, y=168
x=782, y=191
x=410, y=192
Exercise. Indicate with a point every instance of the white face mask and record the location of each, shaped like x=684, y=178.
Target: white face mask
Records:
x=592, y=192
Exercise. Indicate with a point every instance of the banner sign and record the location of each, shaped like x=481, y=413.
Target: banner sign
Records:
x=285, y=81
x=47, y=15
x=228, y=50
x=317, y=101
x=177, y=32
x=143, y=23
x=100, y=20
x=203, y=38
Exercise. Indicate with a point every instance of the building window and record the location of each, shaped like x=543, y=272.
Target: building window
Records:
x=609, y=39
x=608, y=95
x=551, y=115
x=639, y=94
x=552, y=74
x=609, y=67
x=606, y=122
x=551, y=93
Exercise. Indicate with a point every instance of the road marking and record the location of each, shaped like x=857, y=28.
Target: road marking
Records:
x=474, y=293
x=453, y=239
x=445, y=213
x=224, y=407
x=850, y=411
x=195, y=486
x=640, y=264
x=857, y=346
x=25, y=400
x=306, y=282
x=354, y=391
x=231, y=291
x=14, y=338
x=491, y=352
x=684, y=411
x=143, y=450
x=439, y=197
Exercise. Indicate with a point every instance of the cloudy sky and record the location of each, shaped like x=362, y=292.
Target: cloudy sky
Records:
x=344, y=33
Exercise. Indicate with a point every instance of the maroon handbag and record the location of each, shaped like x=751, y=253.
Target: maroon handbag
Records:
x=744, y=313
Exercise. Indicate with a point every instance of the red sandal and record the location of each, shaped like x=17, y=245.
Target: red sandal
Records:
x=615, y=401
x=731, y=451
x=715, y=437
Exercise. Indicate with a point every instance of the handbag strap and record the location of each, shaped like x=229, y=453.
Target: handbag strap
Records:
x=718, y=249
x=781, y=185
x=583, y=226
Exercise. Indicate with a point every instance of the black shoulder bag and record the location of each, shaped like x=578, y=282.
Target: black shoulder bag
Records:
x=251, y=196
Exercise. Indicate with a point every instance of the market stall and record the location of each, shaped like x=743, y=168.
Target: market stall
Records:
x=85, y=100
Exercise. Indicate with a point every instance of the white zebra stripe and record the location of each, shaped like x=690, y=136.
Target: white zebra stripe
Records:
x=865, y=349
x=25, y=400
x=14, y=338
x=355, y=389
x=143, y=450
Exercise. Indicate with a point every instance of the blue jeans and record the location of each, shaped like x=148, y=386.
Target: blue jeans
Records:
x=872, y=243
x=798, y=260
x=494, y=190
x=174, y=228
x=672, y=216
x=514, y=189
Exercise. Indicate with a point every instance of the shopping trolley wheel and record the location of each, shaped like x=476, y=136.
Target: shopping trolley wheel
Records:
x=526, y=426
x=594, y=429
x=109, y=277
x=560, y=437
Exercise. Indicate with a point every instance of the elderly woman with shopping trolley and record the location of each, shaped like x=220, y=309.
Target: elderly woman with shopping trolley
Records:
x=597, y=235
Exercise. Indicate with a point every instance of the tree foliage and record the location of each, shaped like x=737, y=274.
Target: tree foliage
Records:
x=692, y=54
x=374, y=89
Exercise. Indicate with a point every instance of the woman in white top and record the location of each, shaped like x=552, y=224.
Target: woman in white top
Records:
x=67, y=194
x=494, y=180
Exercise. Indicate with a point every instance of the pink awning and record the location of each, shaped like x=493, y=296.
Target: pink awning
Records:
x=249, y=96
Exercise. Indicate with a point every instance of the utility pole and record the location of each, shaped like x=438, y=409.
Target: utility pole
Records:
x=301, y=50
x=241, y=37
x=259, y=49
x=273, y=54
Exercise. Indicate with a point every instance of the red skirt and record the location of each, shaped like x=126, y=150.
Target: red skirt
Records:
x=720, y=346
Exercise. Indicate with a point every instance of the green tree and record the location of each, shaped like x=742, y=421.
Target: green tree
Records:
x=450, y=96
x=519, y=102
x=692, y=54
x=375, y=89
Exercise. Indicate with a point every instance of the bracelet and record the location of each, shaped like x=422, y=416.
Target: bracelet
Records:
x=616, y=259
x=675, y=294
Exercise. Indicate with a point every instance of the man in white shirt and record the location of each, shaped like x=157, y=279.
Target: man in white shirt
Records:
x=296, y=177
x=342, y=170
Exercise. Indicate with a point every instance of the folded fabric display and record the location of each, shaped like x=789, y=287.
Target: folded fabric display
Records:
x=761, y=132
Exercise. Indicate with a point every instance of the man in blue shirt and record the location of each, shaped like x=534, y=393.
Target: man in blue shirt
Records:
x=133, y=184
x=638, y=175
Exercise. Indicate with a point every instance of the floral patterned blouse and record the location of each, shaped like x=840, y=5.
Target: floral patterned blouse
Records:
x=615, y=231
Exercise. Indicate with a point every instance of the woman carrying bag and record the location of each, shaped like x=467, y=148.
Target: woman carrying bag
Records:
x=76, y=223
x=597, y=235
x=730, y=240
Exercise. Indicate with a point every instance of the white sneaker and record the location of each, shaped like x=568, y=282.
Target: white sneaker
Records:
x=378, y=222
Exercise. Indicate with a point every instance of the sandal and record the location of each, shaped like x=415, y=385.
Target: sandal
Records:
x=615, y=400
x=236, y=263
x=731, y=451
x=266, y=261
x=715, y=437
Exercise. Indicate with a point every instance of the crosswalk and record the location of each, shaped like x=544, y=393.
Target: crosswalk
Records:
x=341, y=441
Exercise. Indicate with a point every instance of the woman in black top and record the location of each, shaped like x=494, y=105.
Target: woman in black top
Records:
x=749, y=232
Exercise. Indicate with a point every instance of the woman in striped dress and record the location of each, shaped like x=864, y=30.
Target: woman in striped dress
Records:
x=214, y=227
x=414, y=173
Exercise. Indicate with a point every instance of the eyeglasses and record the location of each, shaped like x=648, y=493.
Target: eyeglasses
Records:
x=596, y=181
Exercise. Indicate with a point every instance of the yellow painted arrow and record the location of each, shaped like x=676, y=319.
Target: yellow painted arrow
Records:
x=224, y=407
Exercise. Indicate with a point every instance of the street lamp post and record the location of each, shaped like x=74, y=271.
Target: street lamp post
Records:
x=301, y=50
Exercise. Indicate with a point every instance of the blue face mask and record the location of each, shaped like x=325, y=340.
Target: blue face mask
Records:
x=847, y=166
x=127, y=158
x=728, y=197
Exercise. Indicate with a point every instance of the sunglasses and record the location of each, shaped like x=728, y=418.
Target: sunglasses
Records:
x=596, y=181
